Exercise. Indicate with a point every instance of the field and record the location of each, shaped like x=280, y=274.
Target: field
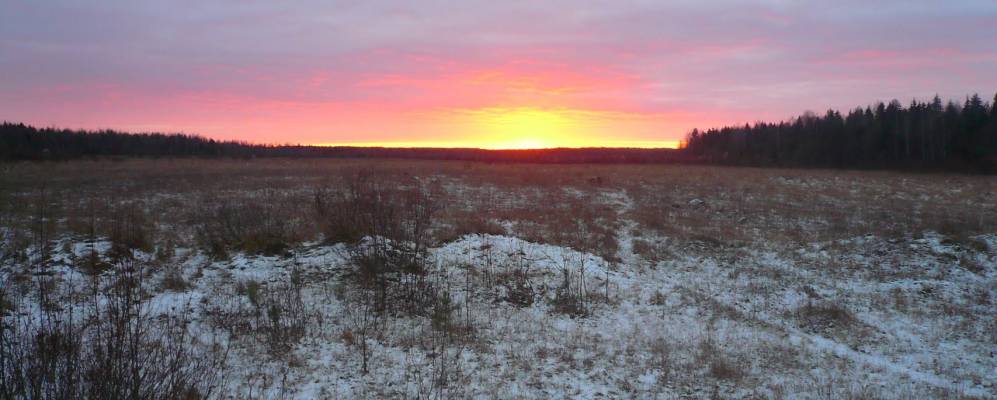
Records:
x=320, y=278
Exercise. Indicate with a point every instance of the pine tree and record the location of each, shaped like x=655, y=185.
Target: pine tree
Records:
x=886, y=135
x=993, y=108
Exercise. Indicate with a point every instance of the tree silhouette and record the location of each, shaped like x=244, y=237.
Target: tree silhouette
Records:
x=931, y=135
x=922, y=135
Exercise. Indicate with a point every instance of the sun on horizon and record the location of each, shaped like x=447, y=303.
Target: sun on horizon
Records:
x=520, y=128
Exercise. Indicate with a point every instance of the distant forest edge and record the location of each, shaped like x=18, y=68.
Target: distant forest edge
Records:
x=924, y=135
x=23, y=142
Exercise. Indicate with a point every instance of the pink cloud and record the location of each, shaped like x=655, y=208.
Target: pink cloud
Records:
x=370, y=71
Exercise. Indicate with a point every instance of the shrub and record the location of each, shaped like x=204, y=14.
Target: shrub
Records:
x=129, y=230
x=389, y=237
x=823, y=317
x=255, y=226
x=440, y=318
x=719, y=366
x=972, y=265
x=173, y=280
x=276, y=317
x=570, y=304
x=165, y=252
x=5, y=304
x=365, y=320
x=569, y=300
x=518, y=290
x=825, y=314
x=661, y=358
x=467, y=223
x=347, y=337
x=110, y=347
x=658, y=299
x=251, y=289
x=369, y=204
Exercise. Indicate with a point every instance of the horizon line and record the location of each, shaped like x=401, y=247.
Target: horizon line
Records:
x=648, y=144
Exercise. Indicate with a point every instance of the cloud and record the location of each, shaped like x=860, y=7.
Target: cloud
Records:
x=316, y=69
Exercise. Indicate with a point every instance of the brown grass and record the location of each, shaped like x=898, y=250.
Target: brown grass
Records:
x=134, y=202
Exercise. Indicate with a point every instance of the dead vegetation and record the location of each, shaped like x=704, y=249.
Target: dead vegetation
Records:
x=109, y=344
x=263, y=206
x=356, y=276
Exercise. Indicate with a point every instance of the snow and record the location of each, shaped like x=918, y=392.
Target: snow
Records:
x=747, y=306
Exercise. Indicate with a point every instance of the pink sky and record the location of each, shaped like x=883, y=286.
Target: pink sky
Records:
x=478, y=73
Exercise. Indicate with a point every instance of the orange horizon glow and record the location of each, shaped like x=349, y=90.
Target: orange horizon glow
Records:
x=524, y=146
x=521, y=128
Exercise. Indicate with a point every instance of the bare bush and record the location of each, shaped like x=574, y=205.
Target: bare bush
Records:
x=275, y=317
x=110, y=346
x=822, y=317
x=571, y=300
x=661, y=358
x=255, y=226
x=282, y=318
x=719, y=365
x=466, y=223
x=388, y=235
x=129, y=229
x=173, y=280
x=516, y=288
x=372, y=204
x=365, y=319
x=5, y=304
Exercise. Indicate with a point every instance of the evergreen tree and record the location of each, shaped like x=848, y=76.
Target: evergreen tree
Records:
x=922, y=135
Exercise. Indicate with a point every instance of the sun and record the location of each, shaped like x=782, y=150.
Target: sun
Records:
x=524, y=128
x=516, y=128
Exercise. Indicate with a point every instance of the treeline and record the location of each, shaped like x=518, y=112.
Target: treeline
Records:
x=22, y=142
x=923, y=135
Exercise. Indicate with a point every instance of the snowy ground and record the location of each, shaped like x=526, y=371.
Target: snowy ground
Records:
x=865, y=317
x=666, y=283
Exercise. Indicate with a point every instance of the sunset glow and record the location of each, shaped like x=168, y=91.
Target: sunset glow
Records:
x=480, y=75
x=525, y=128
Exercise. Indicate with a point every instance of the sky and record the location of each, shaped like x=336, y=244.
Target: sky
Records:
x=473, y=73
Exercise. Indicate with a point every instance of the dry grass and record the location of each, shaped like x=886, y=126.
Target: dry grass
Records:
x=136, y=201
x=704, y=235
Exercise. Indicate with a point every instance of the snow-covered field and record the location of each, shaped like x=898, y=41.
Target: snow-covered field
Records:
x=661, y=316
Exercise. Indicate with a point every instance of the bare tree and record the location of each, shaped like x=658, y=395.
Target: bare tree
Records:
x=365, y=319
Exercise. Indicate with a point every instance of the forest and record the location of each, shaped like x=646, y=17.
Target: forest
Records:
x=923, y=135
x=23, y=142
